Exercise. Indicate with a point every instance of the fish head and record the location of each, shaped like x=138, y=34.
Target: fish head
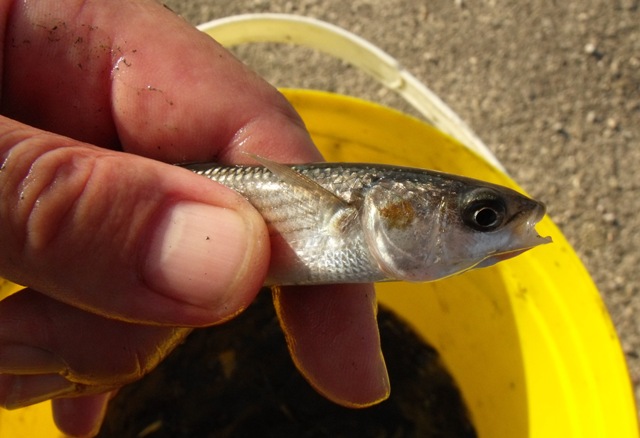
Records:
x=424, y=232
x=496, y=223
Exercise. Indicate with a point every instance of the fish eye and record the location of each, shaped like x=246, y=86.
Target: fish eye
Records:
x=483, y=210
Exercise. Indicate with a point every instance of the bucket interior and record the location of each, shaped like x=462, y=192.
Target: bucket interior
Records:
x=528, y=340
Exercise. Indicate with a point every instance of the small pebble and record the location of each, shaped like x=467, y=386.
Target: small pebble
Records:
x=590, y=48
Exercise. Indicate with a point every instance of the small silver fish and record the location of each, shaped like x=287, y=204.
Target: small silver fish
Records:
x=361, y=223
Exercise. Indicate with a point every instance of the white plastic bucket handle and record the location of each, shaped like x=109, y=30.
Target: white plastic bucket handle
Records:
x=335, y=41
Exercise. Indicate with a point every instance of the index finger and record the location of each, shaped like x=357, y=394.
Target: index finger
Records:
x=133, y=76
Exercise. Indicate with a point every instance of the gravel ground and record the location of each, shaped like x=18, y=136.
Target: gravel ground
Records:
x=553, y=88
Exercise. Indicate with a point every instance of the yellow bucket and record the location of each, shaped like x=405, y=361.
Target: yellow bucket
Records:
x=528, y=341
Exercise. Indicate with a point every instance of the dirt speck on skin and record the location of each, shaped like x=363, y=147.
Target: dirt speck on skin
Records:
x=237, y=380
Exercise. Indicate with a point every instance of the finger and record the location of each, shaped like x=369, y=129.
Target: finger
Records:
x=334, y=341
x=41, y=336
x=136, y=76
x=21, y=391
x=80, y=416
x=123, y=235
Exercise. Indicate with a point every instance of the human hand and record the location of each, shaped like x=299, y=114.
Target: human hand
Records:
x=120, y=251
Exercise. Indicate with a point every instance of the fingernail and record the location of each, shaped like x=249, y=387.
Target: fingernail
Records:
x=197, y=253
x=23, y=359
x=29, y=390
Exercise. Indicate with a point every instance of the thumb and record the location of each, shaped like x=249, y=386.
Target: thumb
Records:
x=124, y=236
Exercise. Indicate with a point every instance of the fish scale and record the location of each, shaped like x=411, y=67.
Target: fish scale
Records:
x=354, y=223
x=328, y=257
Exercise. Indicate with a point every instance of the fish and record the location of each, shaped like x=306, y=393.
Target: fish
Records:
x=362, y=223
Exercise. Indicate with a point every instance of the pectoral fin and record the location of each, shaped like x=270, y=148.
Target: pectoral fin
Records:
x=301, y=182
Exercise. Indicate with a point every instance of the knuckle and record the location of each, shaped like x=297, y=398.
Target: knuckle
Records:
x=133, y=357
x=40, y=184
x=122, y=367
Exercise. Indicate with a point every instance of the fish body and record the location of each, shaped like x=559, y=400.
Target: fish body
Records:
x=357, y=223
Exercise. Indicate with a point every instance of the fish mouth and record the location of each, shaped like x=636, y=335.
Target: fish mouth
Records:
x=536, y=240
x=526, y=231
x=496, y=258
x=528, y=237
x=538, y=213
x=534, y=211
